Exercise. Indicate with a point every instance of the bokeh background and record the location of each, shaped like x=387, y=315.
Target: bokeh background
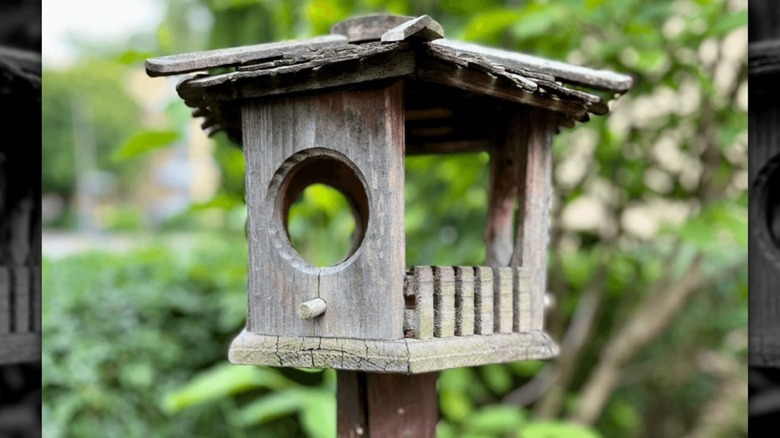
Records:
x=145, y=257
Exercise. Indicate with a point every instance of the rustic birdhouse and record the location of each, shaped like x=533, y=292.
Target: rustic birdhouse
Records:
x=20, y=260
x=344, y=110
x=764, y=217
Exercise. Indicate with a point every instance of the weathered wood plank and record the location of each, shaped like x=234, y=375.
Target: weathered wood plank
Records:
x=446, y=73
x=359, y=134
x=402, y=405
x=464, y=300
x=534, y=209
x=422, y=323
x=352, y=404
x=422, y=27
x=20, y=348
x=483, y=300
x=444, y=301
x=376, y=62
x=525, y=278
x=403, y=356
x=368, y=27
x=234, y=56
x=23, y=301
x=597, y=79
x=505, y=178
x=502, y=300
x=6, y=297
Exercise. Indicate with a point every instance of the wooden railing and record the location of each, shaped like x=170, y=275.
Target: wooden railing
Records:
x=20, y=314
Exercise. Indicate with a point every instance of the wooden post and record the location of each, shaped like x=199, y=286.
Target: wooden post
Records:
x=387, y=405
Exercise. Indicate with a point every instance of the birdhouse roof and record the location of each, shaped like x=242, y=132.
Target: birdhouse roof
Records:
x=383, y=47
x=764, y=68
x=20, y=73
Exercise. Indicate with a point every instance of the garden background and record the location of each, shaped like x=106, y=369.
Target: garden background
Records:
x=145, y=258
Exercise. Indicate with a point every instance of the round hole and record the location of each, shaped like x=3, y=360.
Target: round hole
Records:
x=766, y=208
x=321, y=225
x=321, y=207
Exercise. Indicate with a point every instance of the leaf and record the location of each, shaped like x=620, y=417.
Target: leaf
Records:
x=221, y=381
x=319, y=416
x=539, y=19
x=497, y=377
x=550, y=429
x=488, y=25
x=496, y=419
x=144, y=142
x=718, y=225
x=729, y=23
x=455, y=406
x=131, y=57
x=270, y=407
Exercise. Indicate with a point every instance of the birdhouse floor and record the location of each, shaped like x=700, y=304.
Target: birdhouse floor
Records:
x=19, y=348
x=408, y=356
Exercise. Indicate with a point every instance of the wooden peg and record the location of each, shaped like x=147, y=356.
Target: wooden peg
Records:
x=312, y=308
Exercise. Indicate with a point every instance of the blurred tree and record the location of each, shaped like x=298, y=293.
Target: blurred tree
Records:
x=648, y=247
x=89, y=101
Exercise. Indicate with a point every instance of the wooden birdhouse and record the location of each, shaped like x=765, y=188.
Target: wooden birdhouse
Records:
x=764, y=217
x=344, y=110
x=20, y=260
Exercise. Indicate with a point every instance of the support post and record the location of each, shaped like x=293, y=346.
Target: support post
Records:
x=384, y=405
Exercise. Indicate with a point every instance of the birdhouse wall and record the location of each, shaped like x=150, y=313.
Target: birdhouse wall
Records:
x=354, y=141
x=764, y=254
x=521, y=175
x=20, y=314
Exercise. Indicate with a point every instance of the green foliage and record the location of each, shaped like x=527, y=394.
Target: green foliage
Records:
x=89, y=103
x=321, y=225
x=143, y=142
x=666, y=170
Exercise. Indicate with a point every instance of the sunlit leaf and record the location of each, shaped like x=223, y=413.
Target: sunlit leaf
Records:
x=728, y=23
x=496, y=420
x=550, y=429
x=224, y=380
x=270, y=407
x=144, y=142
x=487, y=26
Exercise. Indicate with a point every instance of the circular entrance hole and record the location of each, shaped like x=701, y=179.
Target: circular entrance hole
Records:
x=766, y=207
x=321, y=206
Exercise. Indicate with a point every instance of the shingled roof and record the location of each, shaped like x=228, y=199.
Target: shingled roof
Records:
x=445, y=73
x=20, y=73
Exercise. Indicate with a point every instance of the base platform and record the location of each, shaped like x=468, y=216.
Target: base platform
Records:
x=407, y=356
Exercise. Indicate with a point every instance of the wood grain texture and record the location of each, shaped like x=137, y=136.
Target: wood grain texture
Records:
x=442, y=72
x=444, y=301
x=234, y=56
x=503, y=305
x=764, y=253
x=352, y=404
x=20, y=348
x=403, y=406
x=7, y=298
x=377, y=405
x=534, y=209
x=483, y=300
x=464, y=301
x=369, y=62
x=420, y=322
x=598, y=79
x=365, y=292
x=506, y=177
x=20, y=297
x=406, y=356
